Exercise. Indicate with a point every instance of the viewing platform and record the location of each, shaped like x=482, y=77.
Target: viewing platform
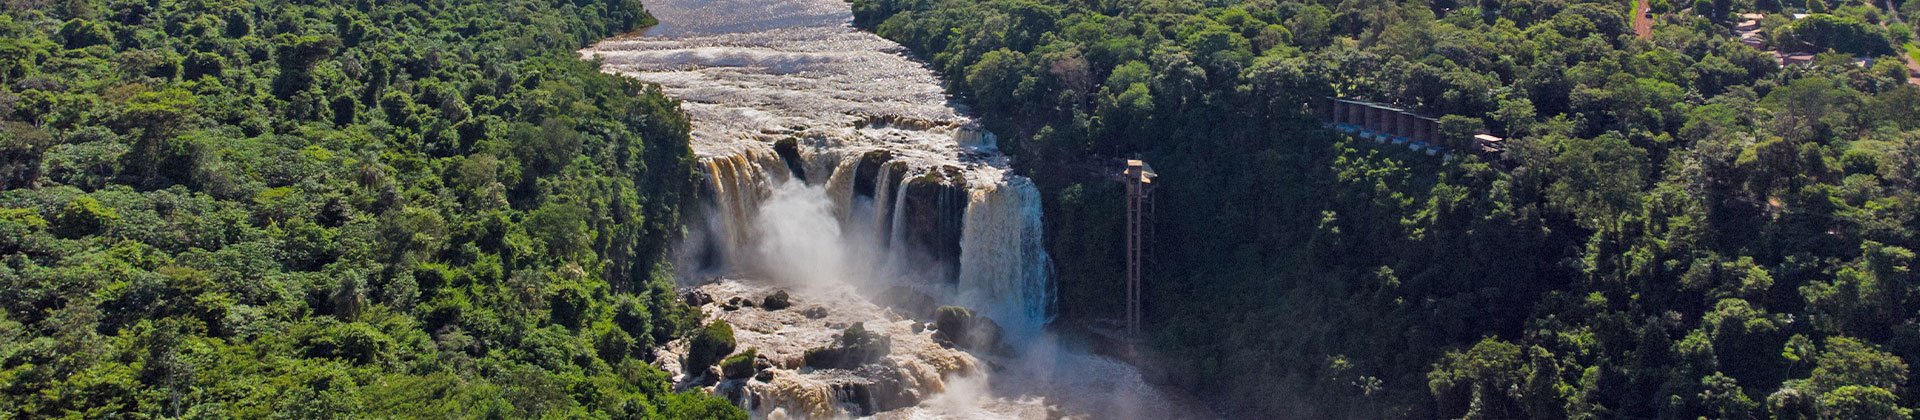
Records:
x=1387, y=125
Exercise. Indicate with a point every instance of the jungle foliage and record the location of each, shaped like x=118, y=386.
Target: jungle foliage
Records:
x=1680, y=228
x=334, y=209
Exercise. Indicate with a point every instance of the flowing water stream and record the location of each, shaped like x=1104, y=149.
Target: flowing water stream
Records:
x=837, y=168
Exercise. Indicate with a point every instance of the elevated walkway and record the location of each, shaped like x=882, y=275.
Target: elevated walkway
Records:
x=1387, y=125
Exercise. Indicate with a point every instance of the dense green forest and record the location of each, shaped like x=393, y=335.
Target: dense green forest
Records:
x=1680, y=228
x=334, y=209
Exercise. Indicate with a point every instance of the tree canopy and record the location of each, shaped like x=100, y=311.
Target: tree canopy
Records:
x=334, y=209
x=1680, y=227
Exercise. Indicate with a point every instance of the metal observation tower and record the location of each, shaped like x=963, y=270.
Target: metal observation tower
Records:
x=1139, y=179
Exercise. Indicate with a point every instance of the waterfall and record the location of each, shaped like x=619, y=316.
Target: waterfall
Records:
x=879, y=220
x=735, y=189
x=783, y=92
x=836, y=167
x=800, y=240
x=895, y=231
x=1001, y=257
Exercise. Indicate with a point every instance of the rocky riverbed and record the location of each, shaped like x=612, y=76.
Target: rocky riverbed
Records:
x=830, y=352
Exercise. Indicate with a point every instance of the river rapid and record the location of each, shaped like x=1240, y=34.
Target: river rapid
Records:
x=839, y=171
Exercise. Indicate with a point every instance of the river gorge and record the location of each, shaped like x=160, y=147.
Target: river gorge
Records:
x=840, y=175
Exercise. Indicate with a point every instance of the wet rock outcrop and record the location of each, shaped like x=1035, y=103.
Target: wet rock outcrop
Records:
x=855, y=347
x=789, y=151
x=909, y=301
x=696, y=298
x=777, y=301
x=740, y=366
x=709, y=345
x=840, y=356
x=935, y=207
x=965, y=329
x=866, y=174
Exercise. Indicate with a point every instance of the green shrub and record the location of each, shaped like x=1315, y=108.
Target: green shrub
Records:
x=695, y=406
x=709, y=344
x=739, y=366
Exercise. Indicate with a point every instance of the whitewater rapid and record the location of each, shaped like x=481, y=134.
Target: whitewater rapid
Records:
x=837, y=168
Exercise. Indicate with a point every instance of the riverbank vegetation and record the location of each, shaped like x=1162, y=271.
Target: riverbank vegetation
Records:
x=1680, y=227
x=334, y=209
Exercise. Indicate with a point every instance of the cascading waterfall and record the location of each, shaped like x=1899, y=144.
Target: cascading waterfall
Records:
x=975, y=231
x=837, y=167
x=799, y=230
x=735, y=187
x=1001, y=257
x=783, y=89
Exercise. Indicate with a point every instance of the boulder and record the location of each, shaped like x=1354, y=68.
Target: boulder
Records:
x=709, y=345
x=696, y=298
x=965, y=329
x=909, y=301
x=855, y=347
x=740, y=302
x=777, y=301
x=741, y=365
x=815, y=312
x=950, y=320
x=707, y=378
x=763, y=368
